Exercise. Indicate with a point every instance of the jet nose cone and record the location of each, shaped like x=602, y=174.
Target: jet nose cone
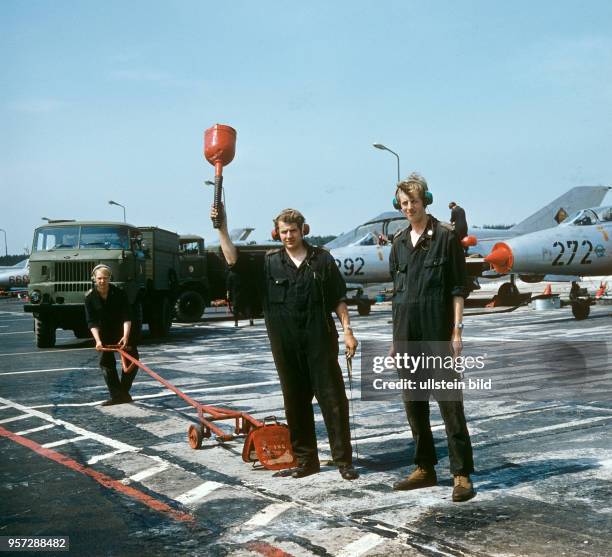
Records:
x=501, y=257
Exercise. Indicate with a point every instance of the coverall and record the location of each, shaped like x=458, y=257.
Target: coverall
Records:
x=109, y=316
x=297, y=306
x=426, y=277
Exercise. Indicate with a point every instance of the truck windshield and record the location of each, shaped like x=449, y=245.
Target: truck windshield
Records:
x=110, y=237
x=81, y=237
x=59, y=237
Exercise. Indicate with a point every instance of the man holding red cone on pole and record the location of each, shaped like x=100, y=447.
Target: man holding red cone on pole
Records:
x=301, y=286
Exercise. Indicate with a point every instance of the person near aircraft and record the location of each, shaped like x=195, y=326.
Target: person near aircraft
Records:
x=459, y=221
x=301, y=286
x=428, y=269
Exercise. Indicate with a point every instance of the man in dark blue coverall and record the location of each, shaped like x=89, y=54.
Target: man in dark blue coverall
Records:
x=427, y=264
x=301, y=286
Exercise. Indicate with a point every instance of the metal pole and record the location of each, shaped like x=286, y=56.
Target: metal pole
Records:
x=385, y=148
x=5, y=248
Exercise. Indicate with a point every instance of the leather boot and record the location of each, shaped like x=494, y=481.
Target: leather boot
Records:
x=463, y=490
x=420, y=477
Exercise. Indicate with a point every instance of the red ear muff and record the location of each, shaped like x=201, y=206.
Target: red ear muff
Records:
x=305, y=229
x=274, y=234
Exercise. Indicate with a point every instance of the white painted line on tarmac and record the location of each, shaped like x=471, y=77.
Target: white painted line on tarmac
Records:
x=18, y=333
x=46, y=370
x=35, y=429
x=193, y=495
x=5, y=406
x=147, y=473
x=536, y=430
x=267, y=515
x=45, y=352
x=71, y=427
x=64, y=442
x=14, y=418
x=104, y=456
x=361, y=545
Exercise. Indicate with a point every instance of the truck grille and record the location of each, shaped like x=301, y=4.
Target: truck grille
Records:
x=73, y=271
x=72, y=286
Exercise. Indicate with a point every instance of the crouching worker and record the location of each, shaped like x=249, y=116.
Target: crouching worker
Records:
x=108, y=317
x=301, y=286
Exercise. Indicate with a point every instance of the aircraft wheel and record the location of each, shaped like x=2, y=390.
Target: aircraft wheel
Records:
x=195, y=437
x=581, y=310
x=508, y=290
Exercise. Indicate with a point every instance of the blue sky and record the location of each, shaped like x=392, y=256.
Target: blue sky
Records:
x=501, y=106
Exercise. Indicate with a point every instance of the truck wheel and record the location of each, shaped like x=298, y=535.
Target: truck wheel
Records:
x=581, y=310
x=44, y=332
x=161, y=318
x=82, y=332
x=363, y=308
x=189, y=306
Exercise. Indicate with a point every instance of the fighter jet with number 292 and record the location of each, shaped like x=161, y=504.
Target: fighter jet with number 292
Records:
x=581, y=246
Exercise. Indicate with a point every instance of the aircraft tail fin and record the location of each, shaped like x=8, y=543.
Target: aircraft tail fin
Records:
x=579, y=197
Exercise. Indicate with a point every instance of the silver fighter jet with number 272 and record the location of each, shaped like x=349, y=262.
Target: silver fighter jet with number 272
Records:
x=581, y=246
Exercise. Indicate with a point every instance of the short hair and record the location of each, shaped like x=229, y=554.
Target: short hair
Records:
x=415, y=184
x=452, y=204
x=101, y=267
x=290, y=216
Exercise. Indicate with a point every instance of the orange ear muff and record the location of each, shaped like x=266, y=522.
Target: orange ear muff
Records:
x=274, y=234
x=305, y=229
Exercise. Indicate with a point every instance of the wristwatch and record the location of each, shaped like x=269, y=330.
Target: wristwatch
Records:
x=459, y=326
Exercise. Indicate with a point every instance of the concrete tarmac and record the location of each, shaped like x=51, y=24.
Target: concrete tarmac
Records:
x=122, y=480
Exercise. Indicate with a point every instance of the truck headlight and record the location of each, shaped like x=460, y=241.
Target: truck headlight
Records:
x=35, y=297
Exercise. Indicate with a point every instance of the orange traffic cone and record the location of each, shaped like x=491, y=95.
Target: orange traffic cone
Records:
x=548, y=290
x=601, y=290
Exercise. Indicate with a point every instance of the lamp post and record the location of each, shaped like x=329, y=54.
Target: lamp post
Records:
x=5, y=248
x=111, y=202
x=383, y=148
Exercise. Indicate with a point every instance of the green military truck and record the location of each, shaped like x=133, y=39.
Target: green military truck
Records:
x=193, y=281
x=144, y=262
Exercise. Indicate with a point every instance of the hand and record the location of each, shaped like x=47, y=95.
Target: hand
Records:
x=214, y=213
x=123, y=342
x=456, y=345
x=99, y=346
x=350, y=342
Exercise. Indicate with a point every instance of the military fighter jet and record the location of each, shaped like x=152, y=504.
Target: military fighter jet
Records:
x=580, y=246
x=15, y=278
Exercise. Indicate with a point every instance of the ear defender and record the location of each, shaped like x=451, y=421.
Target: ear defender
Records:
x=101, y=266
x=428, y=200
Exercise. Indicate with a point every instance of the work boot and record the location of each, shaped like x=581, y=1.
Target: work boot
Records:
x=348, y=472
x=420, y=477
x=463, y=490
x=300, y=471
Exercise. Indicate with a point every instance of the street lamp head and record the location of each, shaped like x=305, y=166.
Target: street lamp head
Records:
x=111, y=202
x=209, y=182
x=379, y=146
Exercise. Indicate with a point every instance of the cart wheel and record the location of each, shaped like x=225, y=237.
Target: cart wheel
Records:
x=195, y=437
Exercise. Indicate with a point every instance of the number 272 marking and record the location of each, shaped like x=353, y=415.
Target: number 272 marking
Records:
x=572, y=248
